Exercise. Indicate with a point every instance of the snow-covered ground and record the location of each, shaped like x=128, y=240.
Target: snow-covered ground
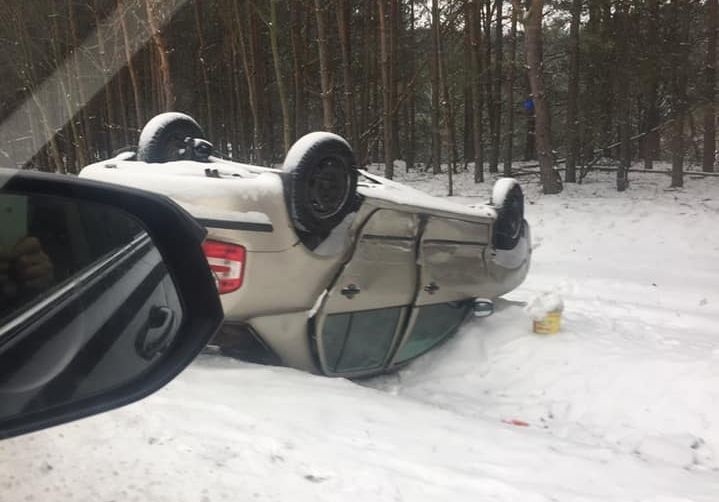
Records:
x=623, y=404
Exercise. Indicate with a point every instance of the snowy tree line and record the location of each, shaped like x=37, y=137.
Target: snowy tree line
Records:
x=443, y=85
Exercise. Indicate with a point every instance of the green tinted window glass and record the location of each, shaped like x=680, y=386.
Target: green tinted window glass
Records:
x=434, y=323
x=359, y=341
x=334, y=337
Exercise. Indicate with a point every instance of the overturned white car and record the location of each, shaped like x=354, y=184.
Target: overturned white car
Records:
x=325, y=267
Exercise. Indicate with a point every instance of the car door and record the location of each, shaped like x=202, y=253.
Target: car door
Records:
x=451, y=269
x=365, y=309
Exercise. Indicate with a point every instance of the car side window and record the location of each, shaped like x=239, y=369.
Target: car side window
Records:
x=433, y=324
x=359, y=341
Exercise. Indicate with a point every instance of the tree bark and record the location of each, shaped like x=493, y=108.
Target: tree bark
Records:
x=66, y=95
x=572, y=127
x=328, y=112
x=248, y=64
x=132, y=70
x=284, y=106
x=650, y=143
x=679, y=89
x=530, y=138
x=385, y=26
x=497, y=91
x=509, y=145
x=411, y=105
x=473, y=18
x=710, y=76
x=488, y=73
x=161, y=47
x=448, y=115
x=83, y=140
x=551, y=182
x=344, y=18
x=624, y=94
x=297, y=41
x=436, y=91
x=202, y=56
x=468, y=78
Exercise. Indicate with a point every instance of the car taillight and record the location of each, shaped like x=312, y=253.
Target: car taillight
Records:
x=227, y=262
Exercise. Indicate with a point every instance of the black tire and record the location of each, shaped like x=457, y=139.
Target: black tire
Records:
x=163, y=138
x=321, y=182
x=509, y=225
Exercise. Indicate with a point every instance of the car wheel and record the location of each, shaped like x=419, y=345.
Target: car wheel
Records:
x=321, y=182
x=165, y=138
x=508, y=200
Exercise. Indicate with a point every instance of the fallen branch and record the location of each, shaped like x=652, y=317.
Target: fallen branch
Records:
x=606, y=168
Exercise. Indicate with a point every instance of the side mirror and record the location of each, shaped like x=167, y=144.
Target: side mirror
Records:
x=105, y=296
x=483, y=308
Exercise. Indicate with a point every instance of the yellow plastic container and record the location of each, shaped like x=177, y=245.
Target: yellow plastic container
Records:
x=549, y=324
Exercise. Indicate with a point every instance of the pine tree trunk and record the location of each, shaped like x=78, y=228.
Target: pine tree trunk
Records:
x=572, y=127
x=679, y=89
x=385, y=26
x=436, y=91
x=109, y=102
x=650, y=143
x=530, y=137
x=448, y=114
x=710, y=76
x=134, y=78
x=366, y=81
x=298, y=61
x=248, y=64
x=497, y=91
x=344, y=24
x=551, y=183
x=624, y=95
x=202, y=56
x=328, y=113
x=473, y=19
x=284, y=106
x=468, y=78
x=509, y=145
x=161, y=47
x=394, y=18
x=411, y=126
x=64, y=94
x=83, y=101
x=489, y=81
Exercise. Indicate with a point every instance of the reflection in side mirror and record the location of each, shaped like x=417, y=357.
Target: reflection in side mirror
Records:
x=87, y=304
x=482, y=308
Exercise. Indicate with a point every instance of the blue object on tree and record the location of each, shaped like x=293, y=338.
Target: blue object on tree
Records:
x=529, y=105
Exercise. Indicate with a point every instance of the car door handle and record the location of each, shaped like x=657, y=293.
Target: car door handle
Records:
x=431, y=288
x=156, y=332
x=350, y=291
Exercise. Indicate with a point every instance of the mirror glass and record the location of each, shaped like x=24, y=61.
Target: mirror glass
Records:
x=86, y=302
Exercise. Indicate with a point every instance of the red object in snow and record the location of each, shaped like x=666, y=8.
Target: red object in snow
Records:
x=515, y=421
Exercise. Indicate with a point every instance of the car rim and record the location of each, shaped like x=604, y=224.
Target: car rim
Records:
x=515, y=219
x=327, y=187
x=174, y=148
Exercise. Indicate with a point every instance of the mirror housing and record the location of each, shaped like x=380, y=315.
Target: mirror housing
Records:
x=170, y=339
